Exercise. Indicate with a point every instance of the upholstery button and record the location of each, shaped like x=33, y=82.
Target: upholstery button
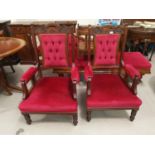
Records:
x=50, y=50
x=103, y=49
x=61, y=58
x=101, y=42
x=59, y=42
x=111, y=57
x=45, y=42
x=105, y=57
x=48, y=58
x=107, y=42
x=114, y=42
x=109, y=50
x=52, y=42
x=55, y=58
x=56, y=50
x=99, y=57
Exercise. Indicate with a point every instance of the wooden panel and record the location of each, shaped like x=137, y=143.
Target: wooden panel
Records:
x=131, y=21
x=27, y=54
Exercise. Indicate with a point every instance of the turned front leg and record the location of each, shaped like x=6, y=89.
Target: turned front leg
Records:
x=133, y=114
x=27, y=118
x=75, y=119
x=88, y=116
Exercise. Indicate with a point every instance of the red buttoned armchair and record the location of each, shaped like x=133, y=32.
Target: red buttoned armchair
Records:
x=137, y=60
x=107, y=88
x=51, y=95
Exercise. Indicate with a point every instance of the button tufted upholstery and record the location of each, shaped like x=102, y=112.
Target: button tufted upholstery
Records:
x=106, y=48
x=54, y=49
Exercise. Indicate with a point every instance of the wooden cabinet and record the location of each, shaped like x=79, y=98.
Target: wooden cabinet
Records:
x=27, y=54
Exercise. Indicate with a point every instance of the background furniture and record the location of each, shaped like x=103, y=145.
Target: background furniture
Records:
x=139, y=38
x=138, y=61
x=6, y=32
x=145, y=36
x=51, y=95
x=81, y=53
x=8, y=46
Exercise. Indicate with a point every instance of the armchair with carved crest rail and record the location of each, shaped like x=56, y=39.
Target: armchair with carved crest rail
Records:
x=107, y=87
x=51, y=94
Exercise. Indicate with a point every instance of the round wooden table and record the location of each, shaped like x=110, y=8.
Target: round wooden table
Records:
x=8, y=46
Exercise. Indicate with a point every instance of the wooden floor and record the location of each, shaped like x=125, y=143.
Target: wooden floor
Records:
x=108, y=122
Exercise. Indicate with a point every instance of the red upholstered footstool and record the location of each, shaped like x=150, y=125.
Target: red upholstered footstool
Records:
x=137, y=60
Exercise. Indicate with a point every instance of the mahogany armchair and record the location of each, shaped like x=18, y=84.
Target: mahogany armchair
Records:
x=107, y=88
x=51, y=95
x=137, y=60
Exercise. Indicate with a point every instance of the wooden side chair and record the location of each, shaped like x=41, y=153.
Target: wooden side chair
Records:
x=51, y=95
x=107, y=88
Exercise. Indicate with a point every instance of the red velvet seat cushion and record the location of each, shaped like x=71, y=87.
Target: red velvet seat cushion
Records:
x=51, y=94
x=109, y=91
x=137, y=60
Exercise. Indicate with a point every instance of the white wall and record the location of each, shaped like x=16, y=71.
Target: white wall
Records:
x=87, y=21
x=80, y=21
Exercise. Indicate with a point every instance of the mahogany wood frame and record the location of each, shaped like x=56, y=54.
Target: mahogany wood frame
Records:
x=82, y=31
x=47, y=29
x=115, y=69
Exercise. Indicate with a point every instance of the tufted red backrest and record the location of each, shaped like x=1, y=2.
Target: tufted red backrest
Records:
x=106, y=46
x=54, y=50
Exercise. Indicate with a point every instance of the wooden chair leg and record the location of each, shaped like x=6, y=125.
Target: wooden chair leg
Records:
x=133, y=114
x=27, y=118
x=75, y=119
x=88, y=116
x=4, y=82
x=151, y=55
x=13, y=70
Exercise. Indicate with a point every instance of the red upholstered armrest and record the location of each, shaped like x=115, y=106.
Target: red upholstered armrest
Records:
x=131, y=71
x=28, y=74
x=88, y=72
x=75, y=74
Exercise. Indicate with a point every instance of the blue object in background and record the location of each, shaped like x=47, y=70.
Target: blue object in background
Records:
x=113, y=22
